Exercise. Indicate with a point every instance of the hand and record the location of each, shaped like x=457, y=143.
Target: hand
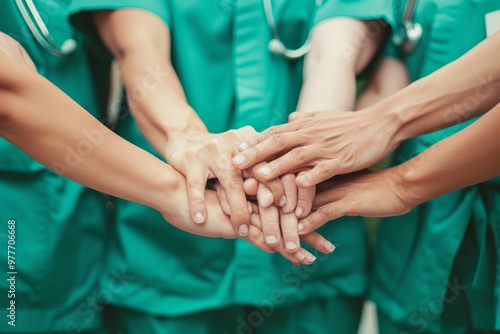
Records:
x=218, y=225
x=367, y=194
x=200, y=156
x=328, y=142
x=13, y=49
x=281, y=222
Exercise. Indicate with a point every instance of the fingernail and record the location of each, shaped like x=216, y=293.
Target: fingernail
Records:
x=265, y=170
x=329, y=246
x=244, y=146
x=299, y=211
x=243, y=230
x=240, y=159
x=283, y=201
x=300, y=227
x=271, y=239
x=199, y=217
x=228, y=208
x=300, y=256
x=310, y=258
x=290, y=245
x=250, y=209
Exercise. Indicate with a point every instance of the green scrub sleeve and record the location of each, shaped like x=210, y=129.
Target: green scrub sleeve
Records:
x=80, y=16
x=358, y=9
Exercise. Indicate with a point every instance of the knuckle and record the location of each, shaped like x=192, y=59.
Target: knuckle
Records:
x=298, y=154
x=235, y=184
x=278, y=140
x=277, y=165
x=323, y=169
x=255, y=234
x=248, y=129
x=197, y=202
x=273, y=130
x=271, y=223
x=212, y=144
x=195, y=184
x=324, y=212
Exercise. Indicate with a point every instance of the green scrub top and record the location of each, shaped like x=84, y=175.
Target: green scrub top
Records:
x=416, y=252
x=220, y=53
x=59, y=224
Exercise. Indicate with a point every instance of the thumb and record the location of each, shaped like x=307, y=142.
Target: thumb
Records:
x=320, y=217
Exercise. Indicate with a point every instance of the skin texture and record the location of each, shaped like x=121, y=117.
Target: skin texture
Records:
x=341, y=48
x=464, y=159
x=179, y=134
x=176, y=132
x=45, y=123
x=333, y=143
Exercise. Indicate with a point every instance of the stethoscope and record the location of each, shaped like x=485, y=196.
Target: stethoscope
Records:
x=38, y=28
x=276, y=46
x=408, y=33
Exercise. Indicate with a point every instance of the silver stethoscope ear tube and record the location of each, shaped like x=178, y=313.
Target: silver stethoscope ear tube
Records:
x=276, y=46
x=40, y=31
x=409, y=33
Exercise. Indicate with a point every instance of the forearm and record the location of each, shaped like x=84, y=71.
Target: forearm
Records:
x=155, y=95
x=469, y=157
x=341, y=48
x=54, y=130
x=459, y=91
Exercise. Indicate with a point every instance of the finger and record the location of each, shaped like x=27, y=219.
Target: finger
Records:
x=318, y=218
x=264, y=135
x=232, y=182
x=221, y=194
x=296, y=159
x=301, y=256
x=251, y=185
x=256, y=237
x=275, y=186
x=254, y=208
x=282, y=142
x=288, y=223
x=299, y=115
x=265, y=198
x=305, y=198
x=288, y=182
x=319, y=173
x=317, y=241
x=270, y=220
x=196, y=182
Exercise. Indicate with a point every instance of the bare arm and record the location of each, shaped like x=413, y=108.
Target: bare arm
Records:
x=345, y=142
x=45, y=123
x=341, y=49
x=469, y=157
x=159, y=107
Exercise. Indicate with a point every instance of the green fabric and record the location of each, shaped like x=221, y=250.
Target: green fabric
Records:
x=220, y=52
x=359, y=9
x=60, y=225
x=415, y=252
x=330, y=316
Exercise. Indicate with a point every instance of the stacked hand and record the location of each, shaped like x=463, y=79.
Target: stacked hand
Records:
x=263, y=212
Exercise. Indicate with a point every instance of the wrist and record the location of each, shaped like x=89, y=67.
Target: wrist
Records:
x=409, y=185
x=389, y=122
x=167, y=182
